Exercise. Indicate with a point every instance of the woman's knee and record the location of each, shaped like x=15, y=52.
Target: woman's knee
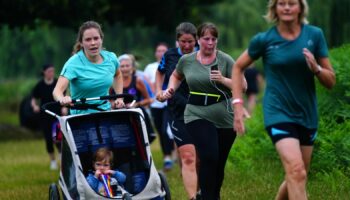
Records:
x=297, y=172
x=188, y=158
x=188, y=155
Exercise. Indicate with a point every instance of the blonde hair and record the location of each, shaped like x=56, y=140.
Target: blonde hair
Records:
x=103, y=155
x=125, y=57
x=86, y=25
x=272, y=17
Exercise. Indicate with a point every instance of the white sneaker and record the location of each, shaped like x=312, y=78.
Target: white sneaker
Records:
x=53, y=165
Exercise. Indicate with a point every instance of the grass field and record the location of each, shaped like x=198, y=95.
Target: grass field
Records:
x=25, y=174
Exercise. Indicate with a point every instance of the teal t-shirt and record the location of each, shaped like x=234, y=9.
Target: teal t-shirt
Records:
x=290, y=85
x=89, y=79
x=197, y=78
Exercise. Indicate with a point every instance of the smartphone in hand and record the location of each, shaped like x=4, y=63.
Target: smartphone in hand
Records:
x=214, y=67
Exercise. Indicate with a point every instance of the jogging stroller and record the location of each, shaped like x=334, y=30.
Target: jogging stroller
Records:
x=123, y=131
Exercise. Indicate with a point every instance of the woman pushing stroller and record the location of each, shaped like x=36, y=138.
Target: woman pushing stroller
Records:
x=90, y=71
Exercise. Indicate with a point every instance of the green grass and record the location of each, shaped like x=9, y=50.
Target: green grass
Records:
x=25, y=174
x=259, y=179
x=8, y=117
x=251, y=173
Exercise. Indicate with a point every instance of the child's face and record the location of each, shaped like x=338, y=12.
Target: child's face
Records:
x=103, y=166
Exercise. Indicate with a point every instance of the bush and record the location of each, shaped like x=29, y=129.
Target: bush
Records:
x=333, y=144
x=13, y=91
x=332, y=147
x=334, y=104
x=254, y=145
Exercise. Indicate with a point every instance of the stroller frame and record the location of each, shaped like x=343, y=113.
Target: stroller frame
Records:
x=72, y=178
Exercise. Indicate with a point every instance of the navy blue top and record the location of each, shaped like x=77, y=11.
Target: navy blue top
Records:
x=167, y=65
x=132, y=89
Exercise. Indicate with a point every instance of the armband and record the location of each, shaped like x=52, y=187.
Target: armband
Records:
x=236, y=101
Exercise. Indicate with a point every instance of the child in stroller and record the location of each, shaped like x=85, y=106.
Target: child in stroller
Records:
x=124, y=133
x=102, y=163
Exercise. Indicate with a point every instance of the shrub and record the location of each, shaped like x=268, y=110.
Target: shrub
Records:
x=333, y=104
x=332, y=147
x=13, y=91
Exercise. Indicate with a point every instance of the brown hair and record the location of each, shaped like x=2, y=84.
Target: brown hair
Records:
x=86, y=25
x=103, y=155
x=162, y=44
x=271, y=15
x=207, y=26
x=185, y=28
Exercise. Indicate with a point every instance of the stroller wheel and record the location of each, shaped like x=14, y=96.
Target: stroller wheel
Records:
x=126, y=196
x=165, y=186
x=53, y=192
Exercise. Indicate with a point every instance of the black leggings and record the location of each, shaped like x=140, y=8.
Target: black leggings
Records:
x=213, y=146
x=46, y=125
x=161, y=119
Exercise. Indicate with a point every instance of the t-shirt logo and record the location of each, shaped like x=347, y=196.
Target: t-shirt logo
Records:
x=273, y=47
x=310, y=43
x=132, y=91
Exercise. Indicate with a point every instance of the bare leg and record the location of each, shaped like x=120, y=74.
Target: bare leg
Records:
x=306, y=153
x=292, y=157
x=282, y=192
x=188, y=169
x=251, y=103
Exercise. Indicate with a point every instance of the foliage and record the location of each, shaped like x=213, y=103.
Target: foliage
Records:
x=237, y=21
x=334, y=104
x=44, y=32
x=238, y=14
x=13, y=91
x=35, y=47
x=339, y=26
x=24, y=51
x=255, y=144
x=69, y=14
x=332, y=147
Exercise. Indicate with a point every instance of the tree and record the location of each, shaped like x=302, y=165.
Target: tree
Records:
x=71, y=13
x=339, y=24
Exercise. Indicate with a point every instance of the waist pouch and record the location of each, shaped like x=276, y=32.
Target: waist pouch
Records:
x=204, y=99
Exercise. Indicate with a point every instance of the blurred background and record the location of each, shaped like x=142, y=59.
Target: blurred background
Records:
x=36, y=32
x=33, y=33
x=44, y=31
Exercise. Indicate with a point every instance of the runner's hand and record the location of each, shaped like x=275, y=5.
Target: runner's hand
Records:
x=119, y=103
x=238, y=121
x=65, y=101
x=166, y=94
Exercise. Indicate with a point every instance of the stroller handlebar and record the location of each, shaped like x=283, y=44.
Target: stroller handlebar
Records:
x=128, y=98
